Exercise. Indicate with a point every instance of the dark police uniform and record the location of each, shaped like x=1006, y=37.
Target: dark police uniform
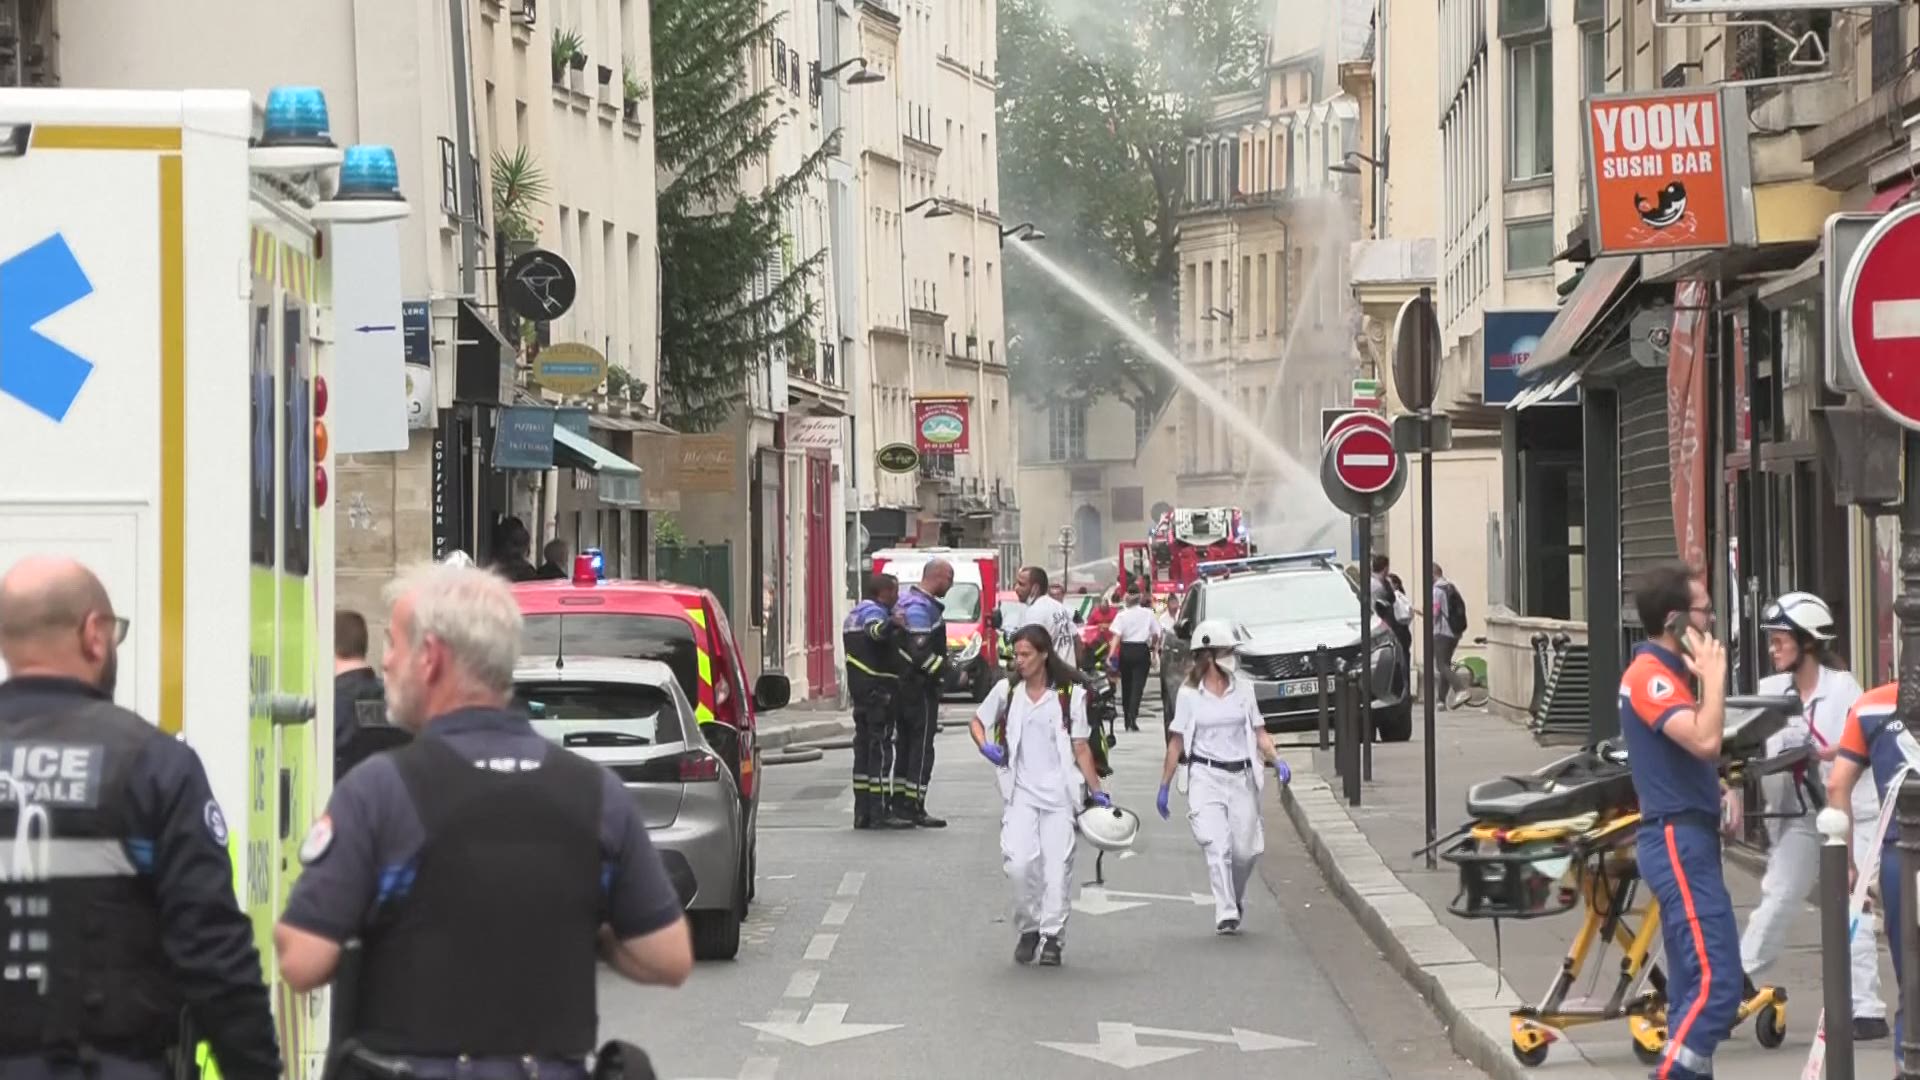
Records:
x=1679, y=856
x=1877, y=739
x=875, y=663
x=127, y=915
x=919, y=718
x=477, y=864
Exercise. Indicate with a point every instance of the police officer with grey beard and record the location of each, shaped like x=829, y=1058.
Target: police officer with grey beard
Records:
x=117, y=911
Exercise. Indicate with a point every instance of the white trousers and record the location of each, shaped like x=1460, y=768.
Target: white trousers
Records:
x=1224, y=810
x=1793, y=868
x=1036, y=847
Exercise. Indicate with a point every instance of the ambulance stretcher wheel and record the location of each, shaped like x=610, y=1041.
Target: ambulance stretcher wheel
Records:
x=1531, y=1058
x=1648, y=1055
x=1770, y=1027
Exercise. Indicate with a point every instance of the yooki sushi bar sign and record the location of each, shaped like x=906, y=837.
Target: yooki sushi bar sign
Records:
x=1669, y=171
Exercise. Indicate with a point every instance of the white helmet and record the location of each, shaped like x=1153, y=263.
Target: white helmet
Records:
x=1216, y=634
x=1800, y=613
x=1108, y=828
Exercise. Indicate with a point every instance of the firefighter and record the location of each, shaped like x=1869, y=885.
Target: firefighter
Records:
x=876, y=659
x=485, y=870
x=1673, y=746
x=117, y=909
x=925, y=622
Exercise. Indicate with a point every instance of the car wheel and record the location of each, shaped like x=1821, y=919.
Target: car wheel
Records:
x=748, y=888
x=1396, y=724
x=716, y=934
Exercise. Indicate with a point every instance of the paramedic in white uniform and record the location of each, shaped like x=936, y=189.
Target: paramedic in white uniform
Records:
x=1218, y=734
x=1799, y=629
x=1042, y=757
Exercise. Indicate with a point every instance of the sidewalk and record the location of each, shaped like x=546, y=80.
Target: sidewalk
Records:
x=1366, y=854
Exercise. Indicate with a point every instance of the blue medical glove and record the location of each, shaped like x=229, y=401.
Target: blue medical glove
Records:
x=1286, y=774
x=1101, y=798
x=1160, y=801
x=992, y=752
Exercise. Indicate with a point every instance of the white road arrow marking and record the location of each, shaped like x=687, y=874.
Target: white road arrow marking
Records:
x=1097, y=901
x=1896, y=319
x=1189, y=898
x=824, y=1024
x=1118, y=1047
x=1247, y=1041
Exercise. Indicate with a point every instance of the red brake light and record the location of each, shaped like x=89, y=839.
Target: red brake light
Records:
x=583, y=574
x=698, y=765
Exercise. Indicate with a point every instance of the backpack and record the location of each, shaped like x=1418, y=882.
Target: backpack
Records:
x=1097, y=740
x=1456, y=610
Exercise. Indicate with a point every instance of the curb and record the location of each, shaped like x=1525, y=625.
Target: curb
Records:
x=774, y=738
x=1470, y=998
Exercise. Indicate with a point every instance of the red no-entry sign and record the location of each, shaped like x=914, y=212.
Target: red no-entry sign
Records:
x=1364, y=459
x=1880, y=315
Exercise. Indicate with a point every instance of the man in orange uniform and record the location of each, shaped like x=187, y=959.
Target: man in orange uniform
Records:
x=1673, y=743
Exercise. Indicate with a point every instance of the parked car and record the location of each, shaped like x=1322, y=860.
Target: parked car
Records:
x=632, y=717
x=1288, y=605
x=682, y=626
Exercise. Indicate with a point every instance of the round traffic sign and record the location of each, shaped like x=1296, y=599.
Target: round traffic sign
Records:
x=1359, y=419
x=1880, y=316
x=1364, y=460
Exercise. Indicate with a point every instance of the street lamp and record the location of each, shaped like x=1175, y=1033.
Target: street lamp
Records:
x=1026, y=230
x=863, y=77
x=1347, y=164
x=937, y=211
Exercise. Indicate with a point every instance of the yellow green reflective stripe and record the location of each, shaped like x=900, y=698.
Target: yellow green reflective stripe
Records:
x=854, y=662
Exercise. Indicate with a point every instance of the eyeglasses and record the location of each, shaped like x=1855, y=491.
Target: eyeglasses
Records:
x=120, y=625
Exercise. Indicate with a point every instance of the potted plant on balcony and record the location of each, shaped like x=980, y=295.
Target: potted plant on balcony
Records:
x=566, y=45
x=633, y=93
x=520, y=186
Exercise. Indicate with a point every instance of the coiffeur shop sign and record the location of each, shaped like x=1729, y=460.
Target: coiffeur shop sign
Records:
x=1669, y=171
x=940, y=424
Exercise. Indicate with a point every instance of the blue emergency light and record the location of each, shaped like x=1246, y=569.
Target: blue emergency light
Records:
x=598, y=561
x=296, y=116
x=370, y=172
x=1213, y=567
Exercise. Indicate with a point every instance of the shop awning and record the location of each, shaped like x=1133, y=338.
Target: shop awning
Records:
x=1890, y=196
x=1602, y=284
x=618, y=478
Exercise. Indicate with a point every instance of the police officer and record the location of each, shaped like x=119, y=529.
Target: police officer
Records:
x=483, y=869
x=117, y=907
x=919, y=720
x=1673, y=744
x=875, y=662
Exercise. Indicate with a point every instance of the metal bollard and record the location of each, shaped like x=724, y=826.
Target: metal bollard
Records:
x=1366, y=726
x=1342, y=704
x=1356, y=718
x=1836, y=952
x=1907, y=817
x=1320, y=658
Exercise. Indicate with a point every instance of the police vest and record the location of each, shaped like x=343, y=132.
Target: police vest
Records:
x=81, y=962
x=872, y=660
x=493, y=952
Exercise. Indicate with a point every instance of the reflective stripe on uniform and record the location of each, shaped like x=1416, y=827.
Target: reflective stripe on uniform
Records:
x=39, y=860
x=854, y=662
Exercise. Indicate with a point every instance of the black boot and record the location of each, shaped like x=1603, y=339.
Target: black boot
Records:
x=862, y=809
x=888, y=814
x=917, y=813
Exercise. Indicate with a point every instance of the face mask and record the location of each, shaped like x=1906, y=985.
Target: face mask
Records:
x=1228, y=663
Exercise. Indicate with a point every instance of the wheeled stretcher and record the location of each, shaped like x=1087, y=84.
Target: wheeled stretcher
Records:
x=1563, y=837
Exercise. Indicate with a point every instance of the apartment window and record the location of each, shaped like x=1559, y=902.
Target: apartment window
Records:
x=1530, y=110
x=1142, y=424
x=1242, y=309
x=1522, y=17
x=1067, y=431
x=1529, y=246
x=1260, y=320
x=1593, y=60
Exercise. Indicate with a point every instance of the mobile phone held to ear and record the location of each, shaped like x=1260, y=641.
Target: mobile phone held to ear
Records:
x=1677, y=625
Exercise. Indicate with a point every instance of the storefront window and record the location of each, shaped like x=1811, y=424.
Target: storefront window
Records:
x=769, y=562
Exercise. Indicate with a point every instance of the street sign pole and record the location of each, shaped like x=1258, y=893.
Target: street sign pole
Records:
x=1365, y=705
x=1416, y=347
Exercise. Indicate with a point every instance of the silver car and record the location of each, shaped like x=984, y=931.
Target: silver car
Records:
x=632, y=717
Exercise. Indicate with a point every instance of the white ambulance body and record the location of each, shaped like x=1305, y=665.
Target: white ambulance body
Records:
x=164, y=341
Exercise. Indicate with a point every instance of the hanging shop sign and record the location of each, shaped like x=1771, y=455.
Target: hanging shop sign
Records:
x=570, y=369
x=940, y=424
x=539, y=285
x=897, y=458
x=1511, y=338
x=1669, y=170
x=813, y=433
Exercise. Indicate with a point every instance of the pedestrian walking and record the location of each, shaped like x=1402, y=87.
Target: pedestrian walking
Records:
x=484, y=869
x=876, y=663
x=118, y=909
x=1390, y=602
x=1800, y=631
x=924, y=619
x=359, y=698
x=556, y=562
x=1673, y=749
x=1218, y=734
x=1441, y=608
x=1136, y=635
x=1033, y=728
x=1047, y=612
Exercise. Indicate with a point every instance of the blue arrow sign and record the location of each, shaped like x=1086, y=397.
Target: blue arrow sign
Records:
x=375, y=329
x=35, y=284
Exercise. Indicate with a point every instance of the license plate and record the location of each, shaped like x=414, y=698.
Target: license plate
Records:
x=1300, y=688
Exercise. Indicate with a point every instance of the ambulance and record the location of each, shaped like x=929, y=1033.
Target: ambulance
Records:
x=164, y=352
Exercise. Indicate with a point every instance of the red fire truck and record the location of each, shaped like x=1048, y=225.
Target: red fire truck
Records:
x=1169, y=559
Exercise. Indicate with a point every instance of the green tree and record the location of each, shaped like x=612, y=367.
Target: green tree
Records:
x=729, y=292
x=1097, y=99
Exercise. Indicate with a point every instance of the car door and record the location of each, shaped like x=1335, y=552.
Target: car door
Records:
x=1176, y=651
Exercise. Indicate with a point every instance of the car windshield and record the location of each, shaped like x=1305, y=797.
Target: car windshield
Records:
x=600, y=713
x=1011, y=613
x=962, y=602
x=1273, y=599
x=627, y=637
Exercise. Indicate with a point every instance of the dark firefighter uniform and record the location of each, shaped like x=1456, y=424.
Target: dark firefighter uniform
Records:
x=1679, y=856
x=919, y=718
x=125, y=914
x=876, y=660
x=1876, y=739
x=476, y=865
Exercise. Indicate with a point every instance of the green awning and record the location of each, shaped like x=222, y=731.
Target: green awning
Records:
x=618, y=478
